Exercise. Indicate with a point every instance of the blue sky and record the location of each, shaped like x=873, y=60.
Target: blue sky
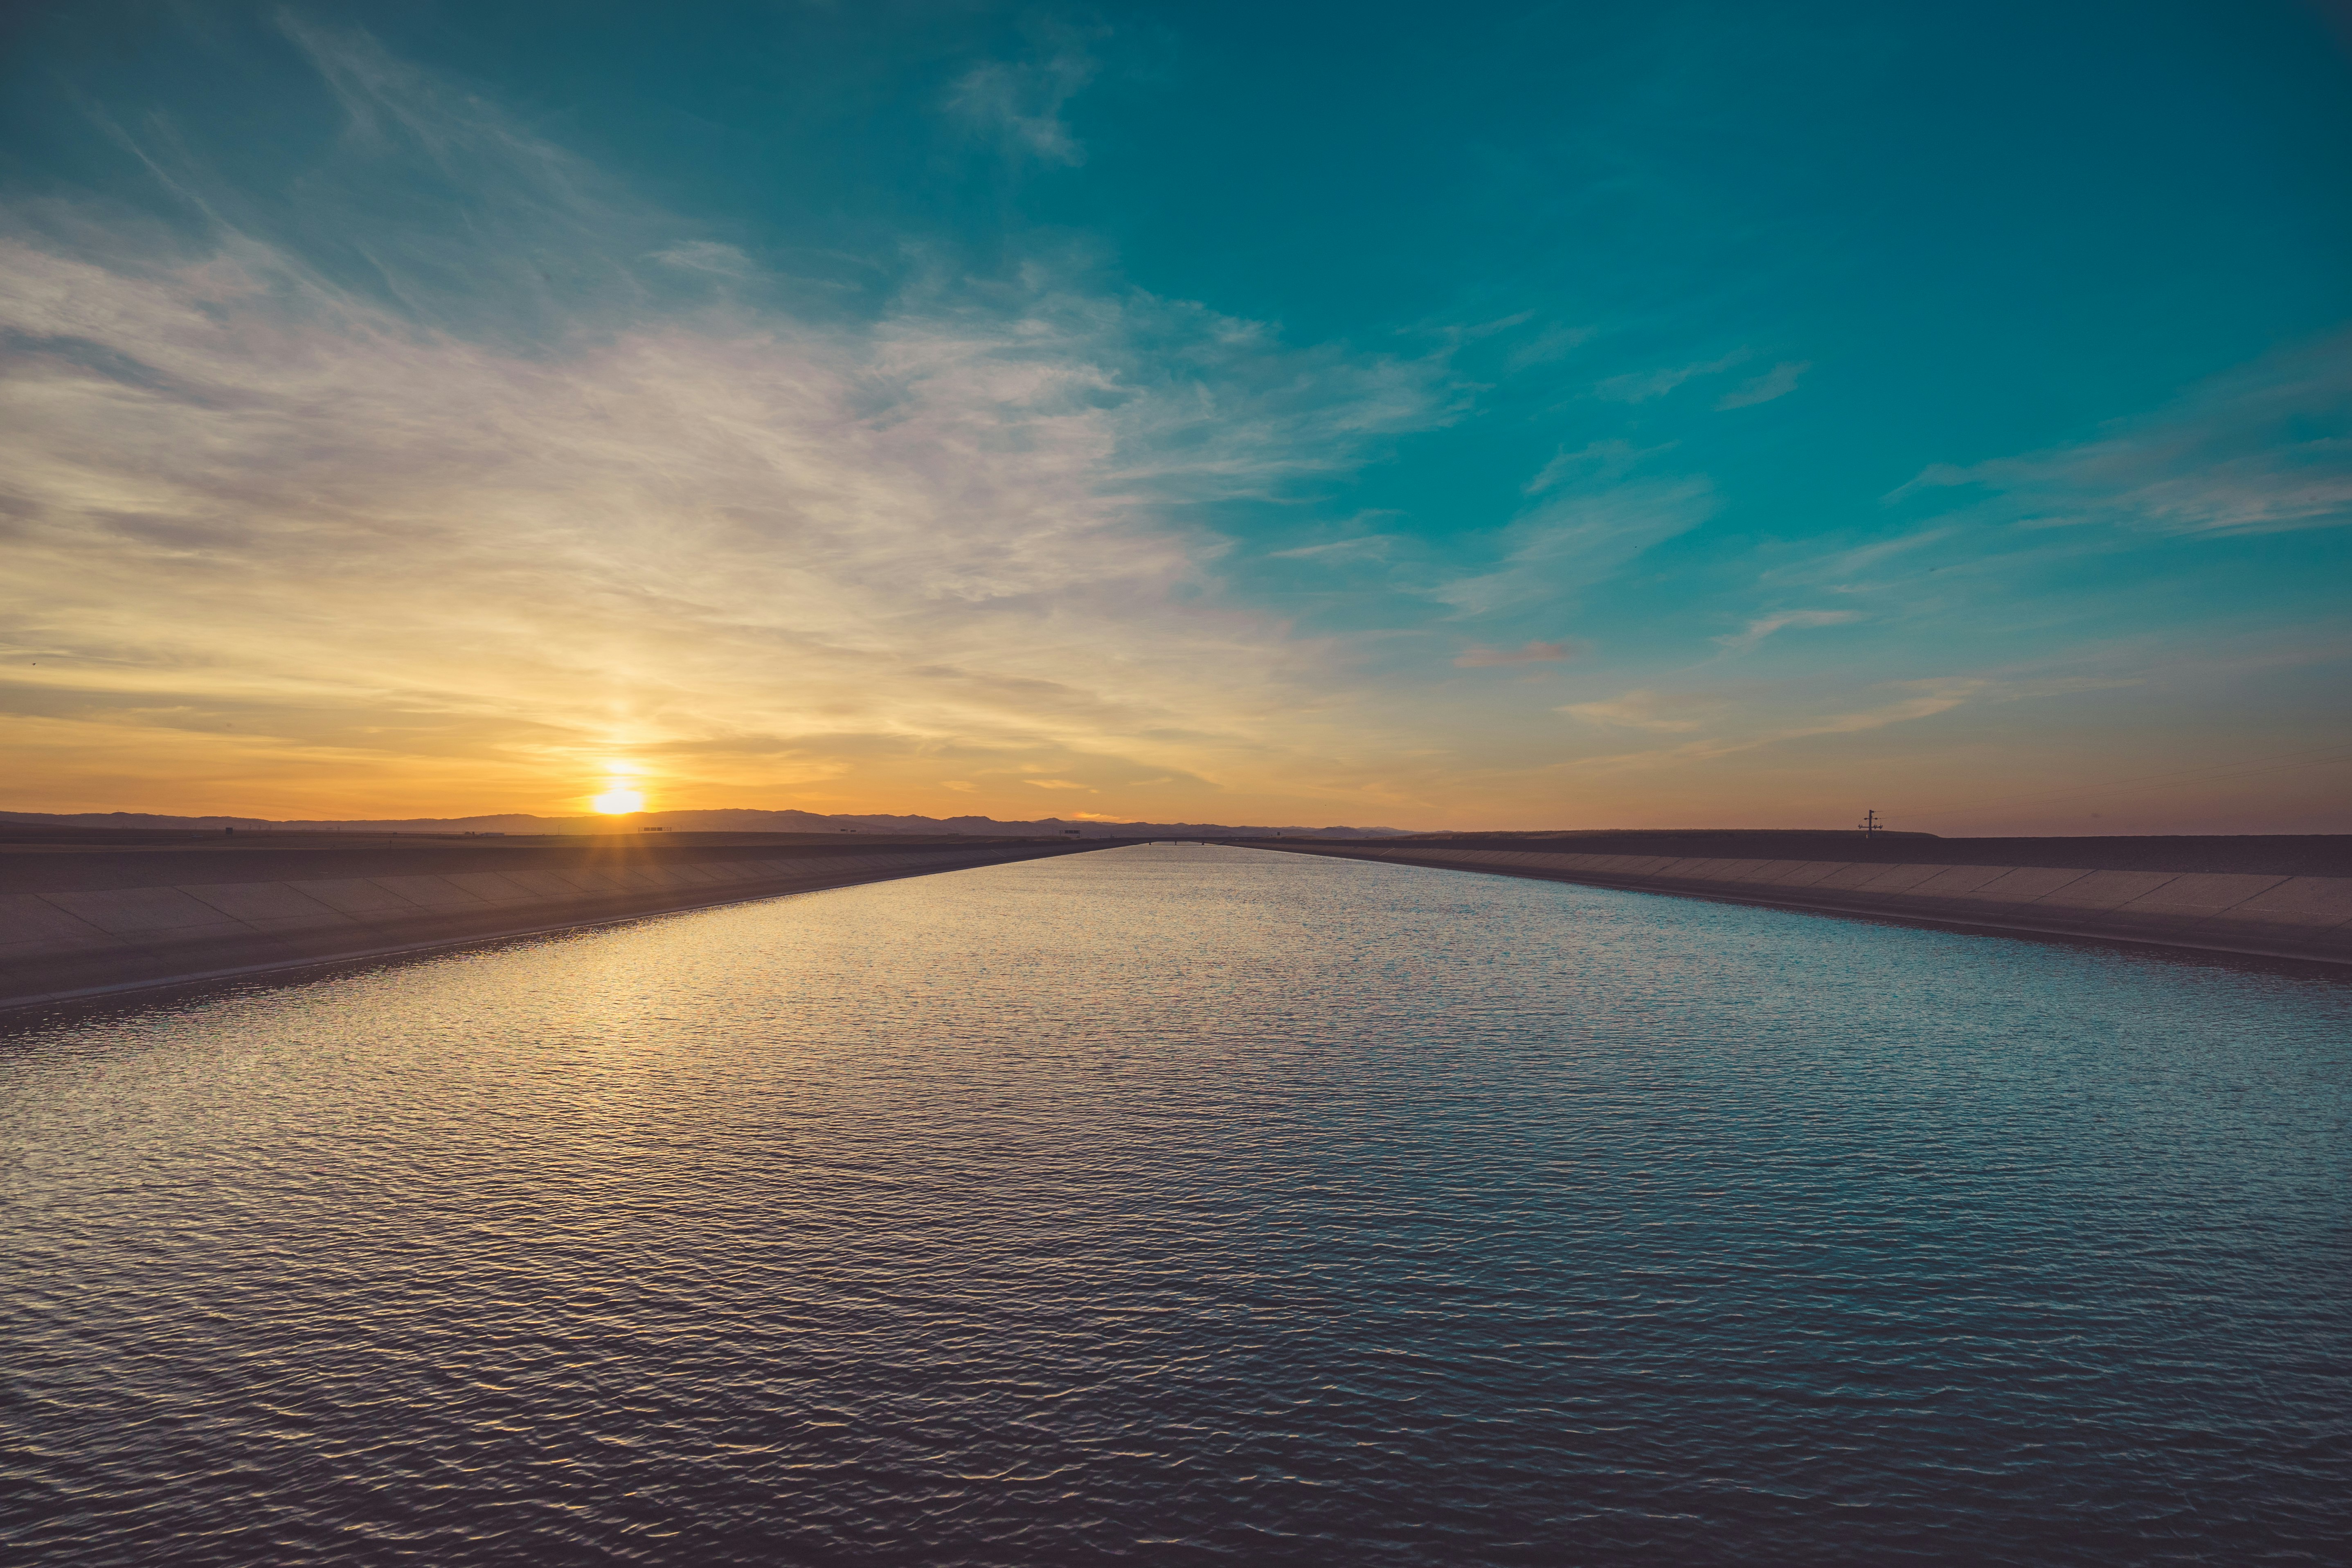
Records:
x=1531, y=415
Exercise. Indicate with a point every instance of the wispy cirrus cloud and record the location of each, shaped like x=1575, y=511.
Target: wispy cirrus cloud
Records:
x=1554, y=343
x=1907, y=700
x=1668, y=712
x=1526, y=652
x=1594, y=461
x=1021, y=102
x=2263, y=449
x=378, y=543
x=1640, y=386
x=1777, y=381
x=1746, y=639
x=707, y=256
x=1773, y=724
x=1334, y=551
x=1560, y=549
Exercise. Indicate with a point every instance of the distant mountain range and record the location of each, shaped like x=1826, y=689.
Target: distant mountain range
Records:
x=709, y=822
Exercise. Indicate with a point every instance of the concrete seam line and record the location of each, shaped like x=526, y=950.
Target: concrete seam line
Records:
x=103, y=935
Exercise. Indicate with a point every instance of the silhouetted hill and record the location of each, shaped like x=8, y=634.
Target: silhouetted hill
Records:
x=722, y=821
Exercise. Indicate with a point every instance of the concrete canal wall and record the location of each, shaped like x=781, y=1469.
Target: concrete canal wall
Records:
x=2268, y=915
x=60, y=943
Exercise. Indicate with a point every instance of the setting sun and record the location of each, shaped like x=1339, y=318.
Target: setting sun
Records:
x=619, y=800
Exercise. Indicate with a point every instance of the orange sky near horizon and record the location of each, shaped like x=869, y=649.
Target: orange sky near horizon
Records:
x=69, y=768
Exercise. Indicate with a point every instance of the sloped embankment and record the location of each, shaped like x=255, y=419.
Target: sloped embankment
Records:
x=2267, y=915
x=60, y=943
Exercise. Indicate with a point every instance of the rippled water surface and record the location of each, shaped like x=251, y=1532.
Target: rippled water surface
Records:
x=1184, y=1205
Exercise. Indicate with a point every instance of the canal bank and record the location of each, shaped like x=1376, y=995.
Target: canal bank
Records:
x=2267, y=914
x=83, y=921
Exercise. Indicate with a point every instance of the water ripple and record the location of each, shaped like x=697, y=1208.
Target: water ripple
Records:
x=1185, y=1204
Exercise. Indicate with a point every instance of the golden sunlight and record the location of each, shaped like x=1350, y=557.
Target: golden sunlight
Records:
x=619, y=800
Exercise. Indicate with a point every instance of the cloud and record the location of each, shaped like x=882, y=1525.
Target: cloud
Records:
x=1020, y=103
x=1553, y=344
x=1646, y=710
x=1777, y=381
x=1599, y=460
x=1532, y=653
x=964, y=786
x=707, y=256
x=1499, y=325
x=1055, y=784
x=1568, y=545
x=1843, y=564
x=414, y=544
x=1364, y=547
x=1665, y=711
x=1764, y=626
x=1640, y=386
x=2266, y=448
x=1904, y=701
x=1928, y=699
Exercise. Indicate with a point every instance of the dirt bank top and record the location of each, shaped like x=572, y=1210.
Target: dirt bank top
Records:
x=94, y=862
x=2280, y=855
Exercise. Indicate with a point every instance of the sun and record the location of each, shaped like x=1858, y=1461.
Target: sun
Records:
x=620, y=800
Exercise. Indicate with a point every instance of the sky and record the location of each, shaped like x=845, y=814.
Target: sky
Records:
x=1530, y=416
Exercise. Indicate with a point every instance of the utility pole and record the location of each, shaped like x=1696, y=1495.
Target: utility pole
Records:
x=1870, y=824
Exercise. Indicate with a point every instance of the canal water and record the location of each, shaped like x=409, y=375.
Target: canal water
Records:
x=1185, y=1204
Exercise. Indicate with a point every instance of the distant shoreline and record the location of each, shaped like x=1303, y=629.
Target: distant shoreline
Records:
x=744, y=820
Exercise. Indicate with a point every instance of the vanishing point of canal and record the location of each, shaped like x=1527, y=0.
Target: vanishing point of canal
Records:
x=1182, y=1205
